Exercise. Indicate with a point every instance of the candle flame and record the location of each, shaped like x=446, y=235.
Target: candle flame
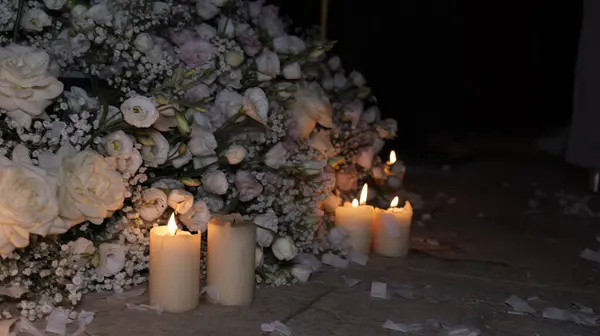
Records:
x=363, y=194
x=392, y=157
x=172, y=225
x=355, y=203
x=394, y=202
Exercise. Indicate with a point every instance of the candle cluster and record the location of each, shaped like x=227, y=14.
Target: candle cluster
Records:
x=383, y=231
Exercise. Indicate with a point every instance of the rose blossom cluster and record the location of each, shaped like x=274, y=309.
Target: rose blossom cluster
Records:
x=195, y=109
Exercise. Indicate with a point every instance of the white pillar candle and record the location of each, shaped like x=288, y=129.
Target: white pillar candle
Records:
x=174, y=268
x=231, y=260
x=391, y=230
x=357, y=219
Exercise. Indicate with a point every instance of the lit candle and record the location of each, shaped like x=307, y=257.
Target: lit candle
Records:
x=174, y=268
x=395, y=167
x=391, y=230
x=357, y=219
x=231, y=260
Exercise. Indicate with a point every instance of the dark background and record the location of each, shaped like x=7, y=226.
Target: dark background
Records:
x=489, y=66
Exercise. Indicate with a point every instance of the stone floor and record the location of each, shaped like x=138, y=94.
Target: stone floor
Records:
x=496, y=239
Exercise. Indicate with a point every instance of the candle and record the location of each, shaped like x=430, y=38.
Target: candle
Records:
x=231, y=260
x=357, y=218
x=395, y=167
x=174, y=268
x=391, y=230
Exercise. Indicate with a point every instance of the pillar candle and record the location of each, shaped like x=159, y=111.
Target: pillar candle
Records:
x=357, y=219
x=391, y=230
x=174, y=268
x=231, y=260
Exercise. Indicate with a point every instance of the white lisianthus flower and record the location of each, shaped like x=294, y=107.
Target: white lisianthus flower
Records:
x=197, y=218
x=258, y=256
x=215, y=182
x=143, y=42
x=202, y=142
x=26, y=86
x=206, y=31
x=118, y=144
x=154, y=204
x=288, y=44
x=248, y=187
x=267, y=220
x=234, y=58
x=321, y=141
x=301, y=272
x=180, y=200
x=80, y=249
x=112, y=259
x=180, y=160
x=284, y=248
x=35, y=19
x=55, y=4
x=357, y=79
x=235, y=154
x=157, y=153
x=268, y=65
x=292, y=71
x=370, y=115
x=311, y=107
x=339, y=81
x=28, y=201
x=90, y=188
x=131, y=164
x=256, y=104
x=276, y=156
x=334, y=63
x=139, y=111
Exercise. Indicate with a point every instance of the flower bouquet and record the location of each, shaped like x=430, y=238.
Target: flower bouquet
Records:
x=197, y=108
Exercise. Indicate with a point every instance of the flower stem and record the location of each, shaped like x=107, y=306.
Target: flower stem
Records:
x=17, y=24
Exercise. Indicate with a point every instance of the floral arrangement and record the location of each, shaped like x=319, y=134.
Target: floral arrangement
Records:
x=197, y=108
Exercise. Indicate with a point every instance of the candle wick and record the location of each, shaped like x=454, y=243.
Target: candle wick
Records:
x=175, y=233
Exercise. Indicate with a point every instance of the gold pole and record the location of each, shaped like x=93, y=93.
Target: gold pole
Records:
x=324, y=9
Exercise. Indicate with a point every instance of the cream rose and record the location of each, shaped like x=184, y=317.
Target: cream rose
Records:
x=284, y=248
x=112, y=259
x=215, y=182
x=90, y=188
x=235, y=154
x=180, y=200
x=26, y=86
x=196, y=219
x=154, y=204
x=28, y=201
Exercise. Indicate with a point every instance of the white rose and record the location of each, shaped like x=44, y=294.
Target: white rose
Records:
x=321, y=141
x=292, y=71
x=180, y=200
x=357, y=79
x=370, y=115
x=256, y=104
x=339, y=81
x=139, y=111
x=131, y=164
x=26, y=86
x=234, y=58
x=232, y=78
x=90, y=188
x=311, y=107
x=276, y=156
x=197, y=218
x=202, y=142
x=288, y=44
x=179, y=160
x=226, y=27
x=143, y=42
x=81, y=248
x=235, y=154
x=157, y=153
x=268, y=64
x=334, y=63
x=258, y=257
x=154, y=204
x=301, y=272
x=248, y=187
x=229, y=102
x=112, y=259
x=28, y=201
x=215, y=182
x=206, y=9
x=35, y=19
x=118, y=144
x=206, y=31
x=205, y=161
x=267, y=220
x=55, y=4
x=364, y=157
x=284, y=248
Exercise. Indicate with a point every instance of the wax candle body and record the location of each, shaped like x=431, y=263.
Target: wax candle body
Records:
x=357, y=221
x=391, y=231
x=231, y=260
x=174, y=269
